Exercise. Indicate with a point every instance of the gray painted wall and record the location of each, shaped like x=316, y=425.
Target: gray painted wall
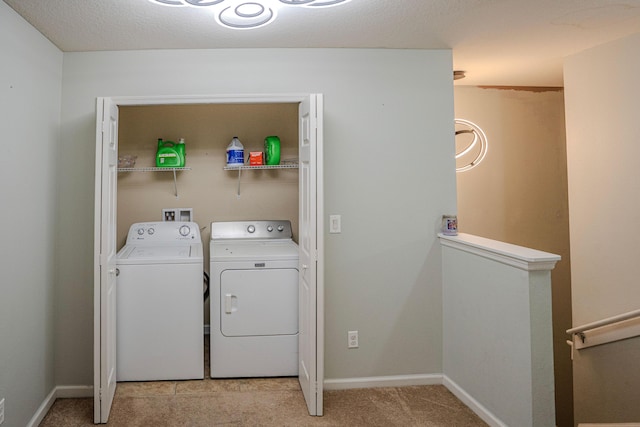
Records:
x=30, y=79
x=498, y=344
x=389, y=172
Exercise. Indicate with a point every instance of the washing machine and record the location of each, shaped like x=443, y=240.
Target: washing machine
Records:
x=159, y=303
x=254, y=299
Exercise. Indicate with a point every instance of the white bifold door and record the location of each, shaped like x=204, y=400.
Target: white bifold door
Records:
x=105, y=249
x=311, y=292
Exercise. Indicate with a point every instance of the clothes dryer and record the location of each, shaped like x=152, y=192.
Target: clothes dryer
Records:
x=254, y=299
x=159, y=303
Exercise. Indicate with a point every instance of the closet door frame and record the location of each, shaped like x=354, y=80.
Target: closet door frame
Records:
x=104, y=342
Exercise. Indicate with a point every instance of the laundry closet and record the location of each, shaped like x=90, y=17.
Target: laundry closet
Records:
x=214, y=194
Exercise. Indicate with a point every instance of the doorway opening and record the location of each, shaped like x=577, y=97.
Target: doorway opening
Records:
x=306, y=124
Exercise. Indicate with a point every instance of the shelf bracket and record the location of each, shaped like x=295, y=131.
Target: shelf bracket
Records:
x=157, y=169
x=288, y=165
x=175, y=183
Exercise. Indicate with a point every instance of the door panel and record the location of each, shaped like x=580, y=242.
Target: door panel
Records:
x=105, y=263
x=310, y=369
x=259, y=302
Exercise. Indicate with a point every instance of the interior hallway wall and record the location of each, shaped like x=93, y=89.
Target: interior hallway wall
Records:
x=602, y=104
x=30, y=92
x=388, y=153
x=518, y=194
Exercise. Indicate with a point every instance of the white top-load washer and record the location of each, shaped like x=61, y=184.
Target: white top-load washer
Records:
x=159, y=303
x=254, y=299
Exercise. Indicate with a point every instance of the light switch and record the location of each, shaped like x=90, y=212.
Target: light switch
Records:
x=334, y=224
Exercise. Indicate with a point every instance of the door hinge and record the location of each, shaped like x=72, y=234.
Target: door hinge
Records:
x=104, y=126
x=100, y=393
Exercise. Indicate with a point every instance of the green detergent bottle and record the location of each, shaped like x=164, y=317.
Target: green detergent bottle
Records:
x=272, y=150
x=181, y=147
x=168, y=155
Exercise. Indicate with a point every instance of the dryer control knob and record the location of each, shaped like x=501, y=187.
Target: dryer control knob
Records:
x=280, y=228
x=251, y=229
x=184, y=230
x=140, y=231
x=151, y=231
x=269, y=228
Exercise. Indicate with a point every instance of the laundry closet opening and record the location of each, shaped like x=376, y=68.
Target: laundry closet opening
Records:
x=125, y=196
x=213, y=193
x=207, y=188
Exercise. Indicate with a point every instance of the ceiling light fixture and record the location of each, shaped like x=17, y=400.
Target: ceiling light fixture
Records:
x=246, y=15
x=466, y=127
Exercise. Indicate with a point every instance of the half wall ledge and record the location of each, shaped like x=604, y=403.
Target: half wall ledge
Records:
x=516, y=256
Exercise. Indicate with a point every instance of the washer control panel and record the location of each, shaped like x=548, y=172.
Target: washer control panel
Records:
x=166, y=231
x=280, y=229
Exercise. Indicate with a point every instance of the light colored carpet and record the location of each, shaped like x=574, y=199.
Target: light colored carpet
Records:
x=265, y=402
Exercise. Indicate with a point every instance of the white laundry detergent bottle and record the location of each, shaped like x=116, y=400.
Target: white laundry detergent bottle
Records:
x=235, y=153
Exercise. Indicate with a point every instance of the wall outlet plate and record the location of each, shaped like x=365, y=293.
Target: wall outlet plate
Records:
x=352, y=339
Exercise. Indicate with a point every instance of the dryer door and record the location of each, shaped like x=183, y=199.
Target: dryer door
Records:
x=259, y=302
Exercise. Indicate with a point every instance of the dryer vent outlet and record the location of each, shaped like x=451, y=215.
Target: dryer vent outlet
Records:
x=177, y=214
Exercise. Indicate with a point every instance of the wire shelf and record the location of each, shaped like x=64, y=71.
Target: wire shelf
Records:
x=259, y=167
x=154, y=169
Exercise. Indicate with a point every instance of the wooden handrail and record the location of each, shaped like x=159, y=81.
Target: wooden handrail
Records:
x=604, y=322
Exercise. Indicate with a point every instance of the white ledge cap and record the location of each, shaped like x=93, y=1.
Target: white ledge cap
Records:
x=506, y=253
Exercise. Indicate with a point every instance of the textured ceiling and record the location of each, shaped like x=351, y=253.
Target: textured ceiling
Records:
x=497, y=42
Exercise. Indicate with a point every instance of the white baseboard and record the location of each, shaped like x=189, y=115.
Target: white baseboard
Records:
x=59, y=392
x=43, y=409
x=386, y=381
x=473, y=404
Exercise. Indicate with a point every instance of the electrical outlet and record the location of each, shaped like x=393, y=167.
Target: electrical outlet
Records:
x=352, y=339
x=1, y=411
x=168, y=215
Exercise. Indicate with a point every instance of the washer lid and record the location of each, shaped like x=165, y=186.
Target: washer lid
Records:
x=242, y=250
x=151, y=254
